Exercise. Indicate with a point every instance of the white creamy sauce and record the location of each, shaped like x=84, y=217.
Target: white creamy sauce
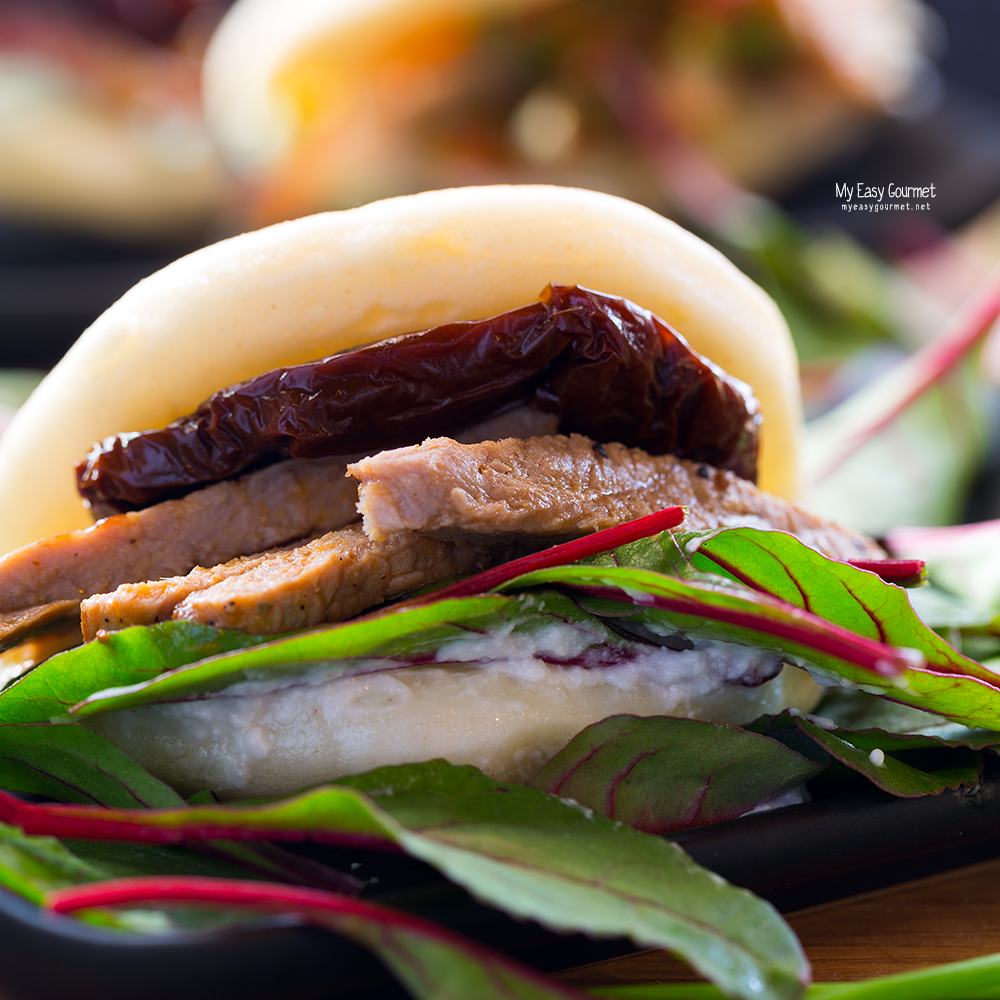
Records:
x=490, y=701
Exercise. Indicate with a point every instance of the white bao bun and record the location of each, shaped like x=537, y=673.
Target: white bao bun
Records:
x=304, y=289
x=258, y=39
x=870, y=47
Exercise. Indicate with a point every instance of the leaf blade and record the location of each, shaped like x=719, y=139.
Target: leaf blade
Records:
x=661, y=774
x=528, y=853
x=436, y=964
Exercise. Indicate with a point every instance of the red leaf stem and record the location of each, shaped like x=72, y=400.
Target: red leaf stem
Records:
x=330, y=911
x=228, y=893
x=557, y=555
x=902, y=385
x=160, y=826
x=901, y=571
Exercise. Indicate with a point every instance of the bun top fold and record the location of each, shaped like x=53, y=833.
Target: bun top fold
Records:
x=300, y=290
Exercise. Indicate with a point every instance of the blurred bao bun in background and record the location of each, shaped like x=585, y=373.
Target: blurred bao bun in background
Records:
x=101, y=131
x=329, y=103
x=304, y=289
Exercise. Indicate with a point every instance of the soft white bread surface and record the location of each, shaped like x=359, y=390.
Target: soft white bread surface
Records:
x=300, y=290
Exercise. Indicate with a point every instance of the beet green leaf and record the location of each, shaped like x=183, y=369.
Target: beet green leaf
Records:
x=413, y=635
x=517, y=848
x=928, y=765
x=34, y=866
x=434, y=963
x=742, y=585
x=859, y=710
x=765, y=588
x=663, y=774
x=68, y=762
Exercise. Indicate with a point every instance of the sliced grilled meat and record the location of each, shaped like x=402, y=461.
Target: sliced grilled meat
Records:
x=268, y=507
x=558, y=487
x=330, y=578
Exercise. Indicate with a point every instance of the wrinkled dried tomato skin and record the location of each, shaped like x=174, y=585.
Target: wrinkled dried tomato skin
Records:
x=611, y=370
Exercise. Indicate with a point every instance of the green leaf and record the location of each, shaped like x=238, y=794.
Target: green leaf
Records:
x=858, y=710
x=117, y=659
x=917, y=469
x=663, y=774
x=34, y=866
x=72, y=764
x=780, y=565
x=436, y=964
x=528, y=853
x=946, y=763
x=397, y=638
x=972, y=979
x=951, y=684
x=68, y=762
x=776, y=565
x=853, y=618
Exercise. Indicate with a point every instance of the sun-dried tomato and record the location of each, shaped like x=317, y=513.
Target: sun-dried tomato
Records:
x=608, y=368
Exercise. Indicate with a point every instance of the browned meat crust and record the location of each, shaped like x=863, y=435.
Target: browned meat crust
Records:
x=265, y=508
x=152, y=601
x=328, y=579
x=558, y=487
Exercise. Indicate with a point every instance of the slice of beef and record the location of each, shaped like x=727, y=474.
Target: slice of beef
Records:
x=559, y=487
x=262, y=509
x=152, y=601
x=330, y=578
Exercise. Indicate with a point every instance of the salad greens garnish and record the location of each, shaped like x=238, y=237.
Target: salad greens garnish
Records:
x=842, y=623
x=34, y=866
x=408, y=636
x=663, y=774
x=868, y=635
x=434, y=963
x=70, y=763
x=535, y=856
x=580, y=849
x=905, y=765
x=905, y=448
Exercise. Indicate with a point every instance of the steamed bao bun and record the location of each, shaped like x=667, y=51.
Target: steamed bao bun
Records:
x=308, y=288
x=328, y=103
